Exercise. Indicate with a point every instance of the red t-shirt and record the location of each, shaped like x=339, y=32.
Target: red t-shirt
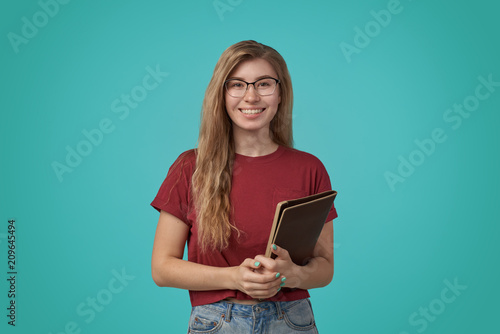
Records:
x=258, y=184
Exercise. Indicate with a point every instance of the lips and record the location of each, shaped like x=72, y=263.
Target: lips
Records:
x=252, y=111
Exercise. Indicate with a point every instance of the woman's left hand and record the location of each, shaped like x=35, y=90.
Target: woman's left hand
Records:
x=318, y=272
x=282, y=264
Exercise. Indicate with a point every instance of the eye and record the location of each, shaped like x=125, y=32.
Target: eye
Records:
x=265, y=83
x=235, y=84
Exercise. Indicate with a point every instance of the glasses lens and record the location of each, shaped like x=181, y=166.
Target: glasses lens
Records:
x=236, y=88
x=265, y=86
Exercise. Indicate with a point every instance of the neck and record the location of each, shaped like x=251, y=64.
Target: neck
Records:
x=254, y=144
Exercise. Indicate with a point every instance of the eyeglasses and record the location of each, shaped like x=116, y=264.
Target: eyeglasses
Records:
x=263, y=87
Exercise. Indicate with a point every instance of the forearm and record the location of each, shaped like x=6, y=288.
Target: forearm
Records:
x=169, y=270
x=178, y=273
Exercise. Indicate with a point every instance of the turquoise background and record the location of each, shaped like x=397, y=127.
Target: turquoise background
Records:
x=394, y=248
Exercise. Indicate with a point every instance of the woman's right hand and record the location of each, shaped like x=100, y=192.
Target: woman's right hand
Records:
x=251, y=279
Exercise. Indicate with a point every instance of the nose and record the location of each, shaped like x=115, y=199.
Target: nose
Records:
x=251, y=94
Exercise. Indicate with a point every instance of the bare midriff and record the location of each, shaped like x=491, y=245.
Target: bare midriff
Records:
x=244, y=301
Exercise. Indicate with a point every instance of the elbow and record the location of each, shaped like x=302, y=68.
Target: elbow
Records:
x=162, y=273
x=326, y=279
x=331, y=273
x=159, y=276
x=329, y=276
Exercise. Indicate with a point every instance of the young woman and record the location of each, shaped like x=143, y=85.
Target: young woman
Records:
x=220, y=198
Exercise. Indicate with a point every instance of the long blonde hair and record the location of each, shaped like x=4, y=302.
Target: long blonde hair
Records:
x=211, y=180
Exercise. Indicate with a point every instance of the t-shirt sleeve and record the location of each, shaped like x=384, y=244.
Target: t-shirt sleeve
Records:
x=323, y=184
x=174, y=195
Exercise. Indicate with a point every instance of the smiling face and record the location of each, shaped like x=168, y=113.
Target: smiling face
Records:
x=252, y=113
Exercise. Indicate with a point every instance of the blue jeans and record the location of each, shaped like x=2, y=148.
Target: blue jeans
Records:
x=266, y=317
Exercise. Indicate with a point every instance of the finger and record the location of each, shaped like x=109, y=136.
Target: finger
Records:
x=261, y=292
x=251, y=263
x=279, y=251
x=268, y=263
x=260, y=278
x=259, y=275
x=264, y=271
x=263, y=288
x=277, y=278
x=282, y=282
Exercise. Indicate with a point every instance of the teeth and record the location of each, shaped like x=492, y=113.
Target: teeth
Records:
x=251, y=111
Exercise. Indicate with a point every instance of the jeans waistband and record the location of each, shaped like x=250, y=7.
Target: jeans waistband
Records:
x=257, y=310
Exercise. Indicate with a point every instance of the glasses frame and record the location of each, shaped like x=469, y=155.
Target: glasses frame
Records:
x=253, y=84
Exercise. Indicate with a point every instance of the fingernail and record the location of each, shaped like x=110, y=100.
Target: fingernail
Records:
x=283, y=279
x=274, y=247
x=282, y=284
x=257, y=263
x=278, y=275
x=279, y=289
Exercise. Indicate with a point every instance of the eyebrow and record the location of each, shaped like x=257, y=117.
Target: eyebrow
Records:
x=256, y=79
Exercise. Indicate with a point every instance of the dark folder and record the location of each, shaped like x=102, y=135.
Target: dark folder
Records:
x=298, y=223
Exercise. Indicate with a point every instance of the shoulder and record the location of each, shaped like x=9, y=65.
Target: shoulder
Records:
x=302, y=157
x=188, y=156
x=185, y=161
x=307, y=169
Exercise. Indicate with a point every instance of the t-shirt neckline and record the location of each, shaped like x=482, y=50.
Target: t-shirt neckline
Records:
x=260, y=159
